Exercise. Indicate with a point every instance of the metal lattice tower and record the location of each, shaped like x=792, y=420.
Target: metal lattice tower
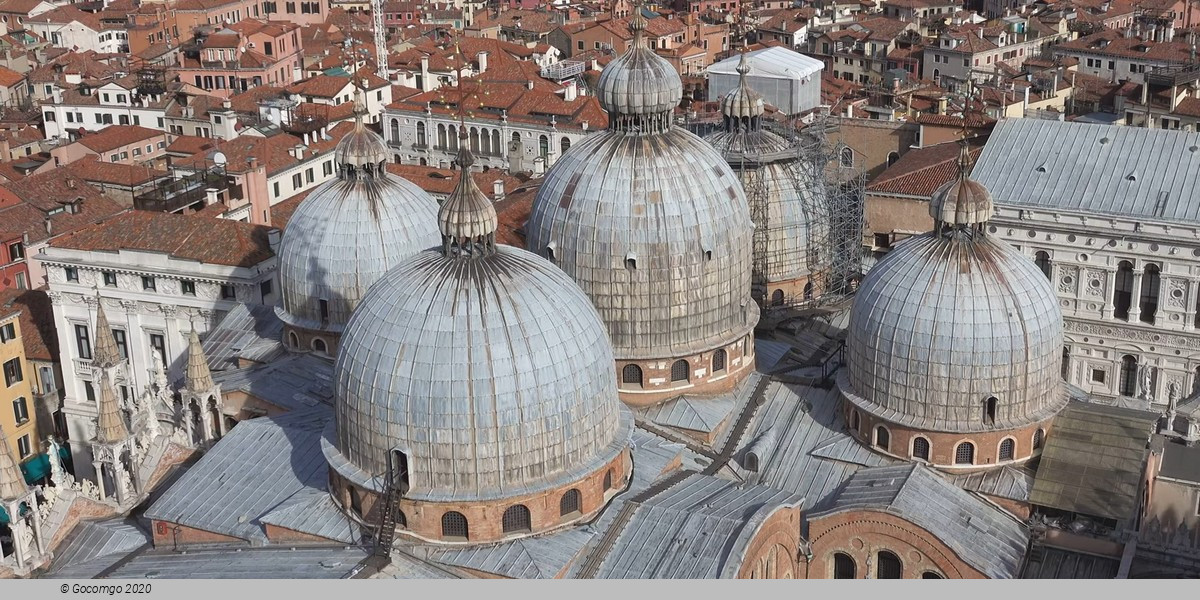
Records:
x=844, y=196
x=381, y=52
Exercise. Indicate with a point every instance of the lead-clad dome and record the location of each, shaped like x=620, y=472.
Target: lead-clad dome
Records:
x=639, y=82
x=651, y=223
x=483, y=364
x=948, y=320
x=348, y=232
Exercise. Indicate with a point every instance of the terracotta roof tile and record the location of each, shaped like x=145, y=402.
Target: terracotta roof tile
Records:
x=93, y=170
x=37, y=322
x=116, y=136
x=212, y=241
x=921, y=171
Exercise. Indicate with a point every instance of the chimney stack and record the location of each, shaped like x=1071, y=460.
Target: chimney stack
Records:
x=497, y=190
x=252, y=162
x=481, y=58
x=70, y=183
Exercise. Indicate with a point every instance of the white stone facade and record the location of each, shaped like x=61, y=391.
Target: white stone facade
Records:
x=144, y=317
x=1085, y=255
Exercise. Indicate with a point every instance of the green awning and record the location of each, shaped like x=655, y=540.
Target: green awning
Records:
x=36, y=468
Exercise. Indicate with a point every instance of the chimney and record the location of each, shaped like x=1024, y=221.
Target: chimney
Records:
x=210, y=196
x=252, y=162
x=529, y=84
x=481, y=58
x=426, y=85
x=497, y=190
x=49, y=226
x=226, y=104
x=570, y=93
x=306, y=139
x=70, y=183
x=941, y=106
x=1026, y=98
x=274, y=238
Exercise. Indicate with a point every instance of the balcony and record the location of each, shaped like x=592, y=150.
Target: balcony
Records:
x=174, y=195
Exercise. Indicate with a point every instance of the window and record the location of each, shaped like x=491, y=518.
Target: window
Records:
x=1007, y=449
x=89, y=391
x=159, y=344
x=570, y=504
x=319, y=346
x=1149, y=293
x=49, y=116
x=1038, y=437
x=964, y=454
x=889, y=566
x=931, y=575
x=855, y=424
x=420, y=132
x=454, y=526
x=777, y=298
x=148, y=284
x=20, y=410
x=631, y=375
x=718, y=361
x=516, y=519
x=308, y=175
x=83, y=342
x=297, y=181
x=564, y=144
x=16, y=251
x=12, y=372
x=843, y=566
x=1129, y=372
x=276, y=188
x=8, y=332
x=1098, y=375
x=920, y=448
x=1042, y=260
x=679, y=371
x=323, y=305
x=122, y=343
x=265, y=288
x=989, y=410
x=228, y=292
x=23, y=447
x=188, y=287
x=293, y=339
x=882, y=439
x=846, y=158
x=110, y=279
x=1123, y=290
x=608, y=480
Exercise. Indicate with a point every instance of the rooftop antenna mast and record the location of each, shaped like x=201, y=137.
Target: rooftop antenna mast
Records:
x=381, y=49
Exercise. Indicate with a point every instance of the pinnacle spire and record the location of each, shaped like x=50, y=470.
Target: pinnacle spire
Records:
x=105, y=354
x=360, y=105
x=198, y=378
x=110, y=425
x=12, y=483
x=637, y=24
x=467, y=218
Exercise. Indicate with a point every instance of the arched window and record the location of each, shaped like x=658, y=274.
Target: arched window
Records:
x=516, y=137
x=631, y=375
x=888, y=566
x=931, y=575
x=608, y=480
x=892, y=157
x=1042, y=260
x=808, y=291
x=452, y=133
x=1007, y=448
x=1150, y=282
x=1039, y=437
x=420, y=132
x=718, y=361
x=543, y=146
x=777, y=298
x=516, y=519
x=989, y=410
x=441, y=135
x=496, y=147
x=293, y=339
x=855, y=424
x=454, y=526
x=485, y=141
x=1129, y=369
x=882, y=439
x=920, y=448
x=319, y=345
x=401, y=520
x=569, y=505
x=679, y=371
x=843, y=566
x=564, y=144
x=1123, y=290
x=474, y=137
x=964, y=454
x=846, y=157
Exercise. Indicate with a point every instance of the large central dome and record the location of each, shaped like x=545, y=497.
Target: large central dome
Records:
x=653, y=225
x=346, y=234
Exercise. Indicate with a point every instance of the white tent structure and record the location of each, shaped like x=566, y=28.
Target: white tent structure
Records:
x=787, y=80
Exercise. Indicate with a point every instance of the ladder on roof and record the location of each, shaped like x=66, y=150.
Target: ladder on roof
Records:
x=394, y=488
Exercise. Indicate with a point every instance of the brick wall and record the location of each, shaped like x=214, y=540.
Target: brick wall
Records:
x=862, y=534
x=656, y=375
x=775, y=544
x=167, y=535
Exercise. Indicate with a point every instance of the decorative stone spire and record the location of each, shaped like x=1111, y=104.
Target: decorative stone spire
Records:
x=198, y=378
x=467, y=218
x=961, y=202
x=105, y=355
x=12, y=483
x=360, y=106
x=362, y=154
x=637, y=26
x=110, y=425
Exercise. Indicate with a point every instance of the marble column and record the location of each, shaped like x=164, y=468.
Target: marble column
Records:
x=1189, y=306
x=99, y=479
x=1135, y=300
x=1110, y=290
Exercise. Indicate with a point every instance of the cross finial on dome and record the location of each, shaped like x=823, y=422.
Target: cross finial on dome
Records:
x=637, y=24
x=360, y=104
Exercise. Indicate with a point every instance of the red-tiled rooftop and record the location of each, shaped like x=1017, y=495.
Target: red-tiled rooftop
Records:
x=188, y=237
x=116, y=136
x=37, y=321
x=922, y=171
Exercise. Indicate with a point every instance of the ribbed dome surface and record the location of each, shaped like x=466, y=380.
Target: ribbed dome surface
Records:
x=344, y=237
x=656, y=231
x=492, y=373
x=639, y=82
x=942, y=323
x=797, y=209
x=361, y=147
x=961, y=201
